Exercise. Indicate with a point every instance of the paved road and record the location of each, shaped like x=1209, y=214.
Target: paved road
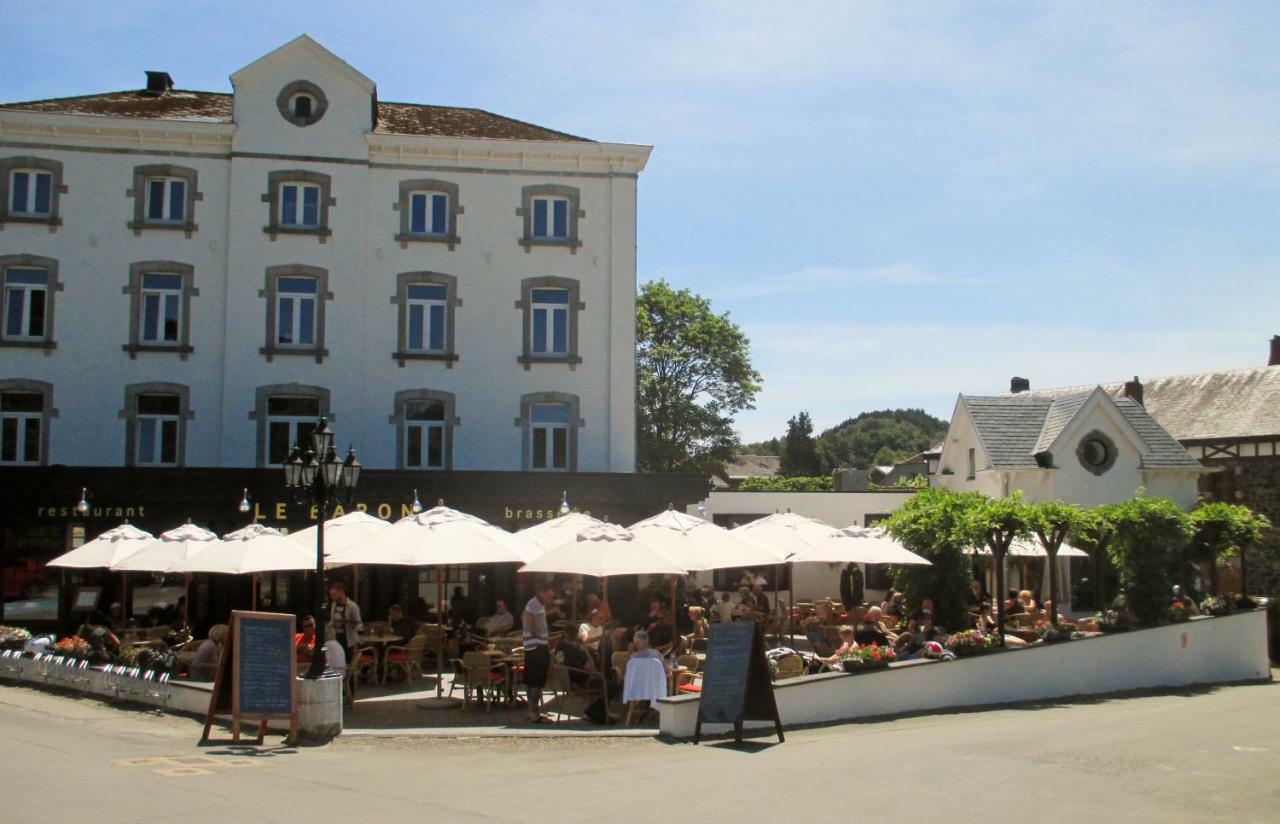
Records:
x=1185, y=757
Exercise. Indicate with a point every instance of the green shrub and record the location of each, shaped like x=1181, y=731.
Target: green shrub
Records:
x=777, y=483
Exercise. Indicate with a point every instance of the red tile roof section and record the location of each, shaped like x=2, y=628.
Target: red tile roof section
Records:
x=215, y=107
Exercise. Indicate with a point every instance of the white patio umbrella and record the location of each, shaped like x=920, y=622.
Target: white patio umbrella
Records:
x=249, y=551
x=162, y=553
x=561, y=530
x=1030, y=548
x=866, y=545
x=437, y=538
x=339, y=533
x=698, y=544
x=109, y=548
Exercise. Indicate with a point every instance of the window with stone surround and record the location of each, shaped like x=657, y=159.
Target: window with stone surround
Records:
x=164, y=197
x=549, y=425
x=429, y=212
x=286, y=413
x=26, y=407
x=31, y=189
x=424, y=420
x=298, y=202
x=160, y=293
x=155, y=416
x=30, y=287
x=295, y=297
x=425, y=304
x=551, y=213
x=549, y=308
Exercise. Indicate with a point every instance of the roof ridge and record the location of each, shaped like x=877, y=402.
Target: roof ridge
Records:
x=1121, y=382
x=140, y=92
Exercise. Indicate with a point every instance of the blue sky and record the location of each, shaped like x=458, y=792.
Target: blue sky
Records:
x=898, y=202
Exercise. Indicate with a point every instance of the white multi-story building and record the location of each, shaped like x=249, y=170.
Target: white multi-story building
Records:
x=192, y=277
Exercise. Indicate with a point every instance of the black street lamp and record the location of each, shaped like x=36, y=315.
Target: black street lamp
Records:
x=316, y=475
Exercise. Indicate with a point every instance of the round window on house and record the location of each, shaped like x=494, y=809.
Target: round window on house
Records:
x=302, y=106
x=1096, y=452
x=302, y=103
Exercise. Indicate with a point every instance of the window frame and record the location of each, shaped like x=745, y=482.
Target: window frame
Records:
x=572, y=241
x=402, y=302
x=140, y=194
x=135, y=290
x=973, y=464
x=47, y=413
x=132, y=418
x=52, y=287
x=29, y=163
x=404, y=205
x=273, y=197
x=272, y=299
x=526, y=425
x=399, y=419
x=319, y=102
x=525, y=305
x=262, y=420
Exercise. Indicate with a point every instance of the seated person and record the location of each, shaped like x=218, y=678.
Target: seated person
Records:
x=640, y=649
x=847, y=643
x=926, y=609
x=660, y=629
x=1028, y=603
x=696, y=617
x=975, y=595
x=746, y=605
x=499, y=623
x=722, y=610
x=582, y=670
x=205, y=665
x=761, y=600
x=591, y=631
x=304, y=643
x=459, y=607
x=335, y=657
x=597, y=604
x=400, y=624
x=98, y=634
x=892, y=608
x=1013, y=604
x=871, y=630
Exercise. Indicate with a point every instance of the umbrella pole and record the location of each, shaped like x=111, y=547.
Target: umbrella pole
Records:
x=186, y=599
x=253, y=591
x=777, y=570
x=791, y=606
x=675, y=633
x=439, y=702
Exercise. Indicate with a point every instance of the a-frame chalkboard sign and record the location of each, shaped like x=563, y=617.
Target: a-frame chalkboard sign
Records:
x=737, y=685
x=256, y=673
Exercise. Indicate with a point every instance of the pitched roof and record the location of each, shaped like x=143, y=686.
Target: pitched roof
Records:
x=753, y=466
x=1014, y=429
x=216, y=107
x=1237, y=403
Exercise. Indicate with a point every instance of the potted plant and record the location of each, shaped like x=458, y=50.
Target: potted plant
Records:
x=14, y=637
x=1178, y=612
x=73, y=646
x=865, y=658
x=971, y=642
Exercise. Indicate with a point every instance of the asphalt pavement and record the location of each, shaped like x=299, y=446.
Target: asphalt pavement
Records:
x=1189, y=756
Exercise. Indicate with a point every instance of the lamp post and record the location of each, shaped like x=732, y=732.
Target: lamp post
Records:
x=315, y=474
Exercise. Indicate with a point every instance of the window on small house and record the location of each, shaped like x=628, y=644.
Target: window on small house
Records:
x=426, y=315
x=429, y=213
x=26, y=298
x=302, y=106
x=289, y=420
x=296, y=312
x=549, y=436
x=166, y=200
x=21, y=425
x=30, y=193
x=161, y=309
x=973, y=464
x=549, y=322
x=424, y=424
x=157, y=423
x=550, y=217
x=299, y=206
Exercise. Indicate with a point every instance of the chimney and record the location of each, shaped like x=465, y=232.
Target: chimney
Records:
x=1133, y=389
x=1275, y=351
x=158, y=83
x=1017, y=385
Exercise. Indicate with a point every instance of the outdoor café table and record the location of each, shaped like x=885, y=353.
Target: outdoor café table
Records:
x=511, y=663
x=379, y=642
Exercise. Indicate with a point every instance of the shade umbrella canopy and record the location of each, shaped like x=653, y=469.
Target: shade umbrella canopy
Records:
x=698, y=544
x=172, y=547
x=603, y=551
x=438, y=537
x=255, y=548
x=340, y=533
x=1031, y=548
x=107, y=549
x=558, y=531
x=792, y=534
x=863, y=545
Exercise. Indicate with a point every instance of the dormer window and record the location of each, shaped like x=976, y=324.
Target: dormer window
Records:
x=302, y=106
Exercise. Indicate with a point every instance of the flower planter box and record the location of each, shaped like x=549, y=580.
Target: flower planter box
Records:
x=854, y=667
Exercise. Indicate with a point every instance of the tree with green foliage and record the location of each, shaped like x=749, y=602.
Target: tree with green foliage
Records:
x=799, y=453
x=1052, y=522
x=779, y=483
x=878, y=438
x=996, y=523
x=694, y=374
x=1221, y=531
x=1093, y=533
x=935, y=524
x=1150, y=535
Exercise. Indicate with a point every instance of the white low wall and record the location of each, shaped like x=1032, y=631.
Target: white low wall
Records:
x=1203, y=651
x=319, y=702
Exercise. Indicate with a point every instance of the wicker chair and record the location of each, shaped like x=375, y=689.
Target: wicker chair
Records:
x=791, y=666
x=407, y=657
x=480, y=674
x=560, y=683
x=619, y=663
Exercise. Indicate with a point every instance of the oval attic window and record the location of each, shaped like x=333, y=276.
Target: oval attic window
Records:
x=1096, y=452
x=302, y=106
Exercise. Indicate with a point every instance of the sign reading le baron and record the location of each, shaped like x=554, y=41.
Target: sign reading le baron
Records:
x=279, y=511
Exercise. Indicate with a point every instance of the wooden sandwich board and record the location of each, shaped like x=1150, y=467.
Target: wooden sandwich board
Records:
x=256, y=674
x=737, y=685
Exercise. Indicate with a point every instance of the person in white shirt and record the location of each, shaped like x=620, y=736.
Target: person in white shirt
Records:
x=537, y=653
x=591, y=631
x=499, y=623
x=723, y=610
x=335, y=657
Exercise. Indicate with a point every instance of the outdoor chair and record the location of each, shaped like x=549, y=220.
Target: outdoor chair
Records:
x=459, y=681
x=560, y=683
x=435, y=639
x=407, y=657
x=365, y=662
x=619, y=663
x=480, y=673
